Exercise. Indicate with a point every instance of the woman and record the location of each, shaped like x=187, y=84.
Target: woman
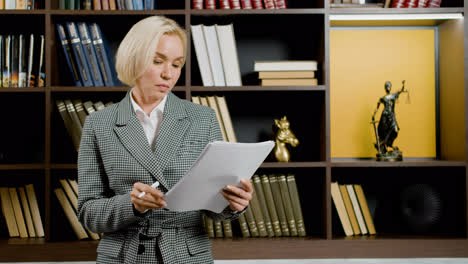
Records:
x=151, y=135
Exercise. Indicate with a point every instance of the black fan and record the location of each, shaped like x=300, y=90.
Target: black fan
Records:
x=421, y=207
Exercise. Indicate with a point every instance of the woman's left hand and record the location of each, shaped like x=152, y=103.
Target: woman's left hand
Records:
x=238, y=196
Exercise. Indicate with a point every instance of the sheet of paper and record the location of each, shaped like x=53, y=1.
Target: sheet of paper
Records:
x=219, y=164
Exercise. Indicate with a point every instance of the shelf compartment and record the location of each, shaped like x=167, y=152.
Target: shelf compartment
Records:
x=113, y=31
x=161, y=6
x=422, y=201
x=268, y=37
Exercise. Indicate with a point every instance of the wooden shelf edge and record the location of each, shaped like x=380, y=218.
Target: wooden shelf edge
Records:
x=410, y=163
x=32, y=166
x=255, y=88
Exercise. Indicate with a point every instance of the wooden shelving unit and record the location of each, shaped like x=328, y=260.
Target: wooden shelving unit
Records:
x=267, y=34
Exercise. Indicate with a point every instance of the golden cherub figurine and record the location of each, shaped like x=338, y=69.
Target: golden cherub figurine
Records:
x=283, y=136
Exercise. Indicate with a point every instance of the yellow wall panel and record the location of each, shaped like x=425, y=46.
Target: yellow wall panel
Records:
x=361, y=61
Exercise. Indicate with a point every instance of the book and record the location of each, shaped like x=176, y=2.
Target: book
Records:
x=246, y=4
x=76, y=123
x=257, y=214
x=224, y=4
x=364, y=208
x=218, y=228
x=78, y=104
x=249, y=217
x=257, y=4
x=287, y=204
x=34, y=206
x=340, y=208
x=289, y=82
x=197, y=4
x=357, y=209
x=90, y=53
x=31, y=76
x=201, y=52
x=74, y=185
x=196, y=99
x=2, y=57
x=41, y=65
x=257, y=184
x=286, y=74
x=267, y=191
x=350, y=209
x=269, y=4
x=296, y=204
x=235, y=4
x=213, y=104
x=79, y=55
x=281, y=4
x=104, y=62
x=228, y=51
x=22, y=51
x=8, y=212
x=89, y=107
x=99, y=105
x=276, y=191
x=227, y=228
x=80, y=232
x=69, y=123
x=6, y=71
x=67, y=53
x=22, y=229
x=210, y=4
x=214, y=55
x=285, y=65
x=243, y=225
x=14, y=61
x=26, y=212
x=209, y=226
x=226, y=118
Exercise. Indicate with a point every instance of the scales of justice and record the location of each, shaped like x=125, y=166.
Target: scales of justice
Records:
x=386, y=129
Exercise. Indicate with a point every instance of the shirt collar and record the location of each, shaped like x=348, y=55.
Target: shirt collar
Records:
x=137, y=108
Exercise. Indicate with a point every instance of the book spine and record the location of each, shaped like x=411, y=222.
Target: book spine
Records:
x=251, y=221
x=218, y=228
x=101, y=54
x=90, y=54
x=296, y=204
x=112, y=5
x=269, y=4
x=246, y=4
x=263, y=205
x=6, y=76
x=227, y=227
x=2, y=58
x=257, y=213
x=276, y=191
x=33, y=204
x=70, y=214
x=357, y=209
x=209, y=226
x=210, y=4
x=77, y=49
x=78, y=104
x=271, y=205
x=31, y=78
x=23, y=232
x=349, y=209
x=41, y=64
x=197, y=4
x=105, y=4
x=22, y=62
x=8, y=212
x=87, y=4
x=97, y=5
x=14, y=61
x=257, y=4
x=26, y=212
x=68, y=122
x=287, y=205
x=224, y=4
x=243, y=225
x=235, y=4
x=67, y=52
x=281, y=4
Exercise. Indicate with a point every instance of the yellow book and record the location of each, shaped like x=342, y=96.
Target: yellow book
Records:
x=226, y=117
x=364, y=208
x=26, y=212
x=340, y=208
x=70, y=214
x=23, y=231
x=8, y=212
x=33, y=205
x=350, y=210
x=286, y=74
x=289, y=82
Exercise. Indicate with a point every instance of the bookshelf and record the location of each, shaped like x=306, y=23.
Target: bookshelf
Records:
x=40, y=151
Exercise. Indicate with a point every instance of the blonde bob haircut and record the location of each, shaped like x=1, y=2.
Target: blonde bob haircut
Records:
x=138, y=48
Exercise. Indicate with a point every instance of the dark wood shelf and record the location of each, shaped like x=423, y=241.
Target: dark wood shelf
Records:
x=219, y=12
x=101, y=89
x=23, y=90
x=379, y=11
x=20, y=166
x=116, y=12
x=256, y=88
x=411, y=163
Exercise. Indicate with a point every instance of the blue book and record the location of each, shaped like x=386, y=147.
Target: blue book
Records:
x=103, y=59
x=90, y=54
x=149, y=4
x=72, y=66
x=78, y=51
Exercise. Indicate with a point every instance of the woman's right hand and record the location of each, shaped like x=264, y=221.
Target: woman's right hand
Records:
x=153, y=199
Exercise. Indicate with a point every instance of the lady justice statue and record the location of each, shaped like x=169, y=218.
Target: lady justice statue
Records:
x=387, y=129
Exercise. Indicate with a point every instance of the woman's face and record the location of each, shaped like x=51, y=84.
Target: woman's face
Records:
x=165, y=70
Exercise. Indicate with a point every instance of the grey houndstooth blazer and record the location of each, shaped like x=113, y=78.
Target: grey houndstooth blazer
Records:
x=114, y=154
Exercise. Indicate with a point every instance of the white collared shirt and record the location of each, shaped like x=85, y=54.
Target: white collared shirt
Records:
x=151, y=123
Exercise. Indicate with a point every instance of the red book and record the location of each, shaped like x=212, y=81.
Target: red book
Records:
x=434, y=3
x=257, y=4
x=197, y=4
x=269, y=4
x=412, y=3
x=246, y=4
x=281, y=4
x=210, y=4
x=224, y=4
x=235, y=4
x=399, y=4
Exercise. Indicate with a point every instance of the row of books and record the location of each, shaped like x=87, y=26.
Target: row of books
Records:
x=74, y=113
x=239, y=4
x=18, y=4
x=286, y=72
x=67, y=196
x=107, y=4
x=275, y=209
x=22, y=61
x=413, y=3
x=216, y=51
x=353, y=210
x=21, y=211
x=86, y=54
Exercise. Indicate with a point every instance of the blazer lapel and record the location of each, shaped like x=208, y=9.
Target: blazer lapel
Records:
x=173, y=128
x=132, y=136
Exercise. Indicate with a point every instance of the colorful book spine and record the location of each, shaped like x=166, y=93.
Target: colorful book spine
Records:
x=2, y=58
x=246, y=4
x=224, y=4
x=6, y=75
x=90, y=54
x=22, y=61
x=235, y=4
x=31, y=77
x=257, y=4
x=197, y=4
x=67, y=52
x=210, y=4
x=41, y=65
x=14, y=61
x=281, y=4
